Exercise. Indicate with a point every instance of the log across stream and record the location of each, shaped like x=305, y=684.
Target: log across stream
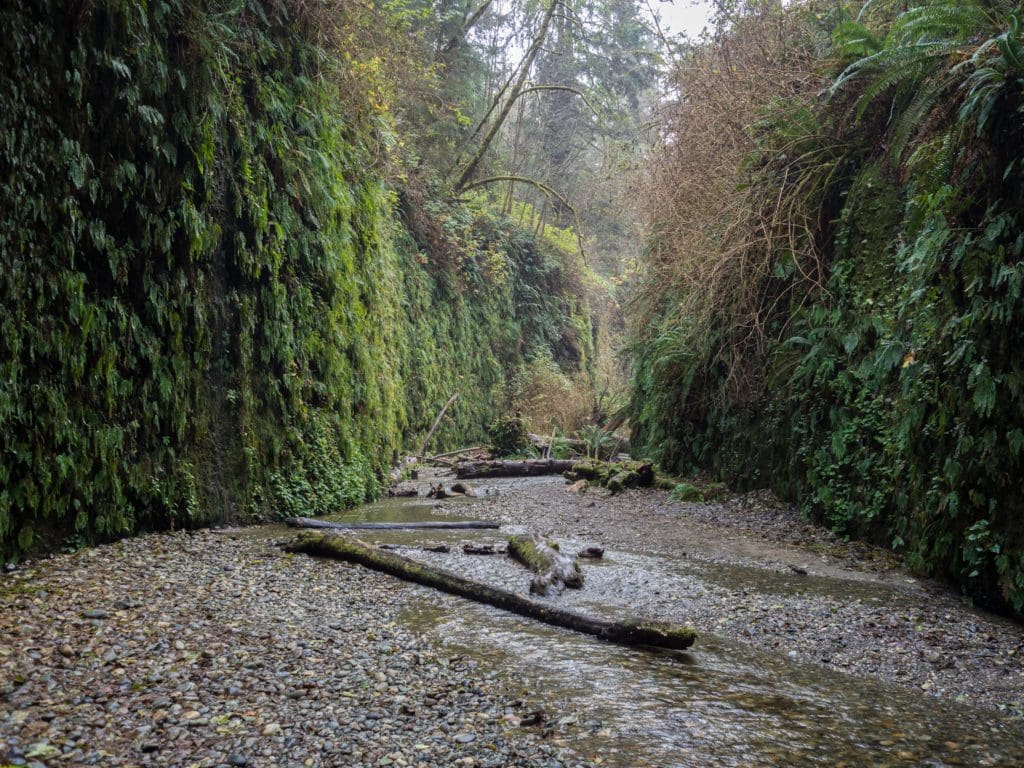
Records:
x=352, y=550
x=429, y=525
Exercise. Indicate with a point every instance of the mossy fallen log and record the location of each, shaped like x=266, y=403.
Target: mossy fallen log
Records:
x=554, y=570
x=616, y=476
x=509, y=468
x=352, y=550
x=441, y=525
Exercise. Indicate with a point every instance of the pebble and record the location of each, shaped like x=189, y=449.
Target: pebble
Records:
x=200, y=665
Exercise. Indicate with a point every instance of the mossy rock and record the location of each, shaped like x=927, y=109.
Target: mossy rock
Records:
x=586, y=469
x=686, y=492
x=616, y=476
x=617, y=484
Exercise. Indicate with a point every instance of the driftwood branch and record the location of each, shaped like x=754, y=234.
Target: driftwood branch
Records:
x=456, y=453
x=437, y=421
x=625, y=632
x=439, y=525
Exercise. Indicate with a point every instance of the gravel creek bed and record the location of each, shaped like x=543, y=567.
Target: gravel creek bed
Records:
x=206, y=650
x=216, y=648
x=855, y=610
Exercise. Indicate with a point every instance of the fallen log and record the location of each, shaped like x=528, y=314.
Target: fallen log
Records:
x=464, y=488
x=443, y=462
x=481, y=549
x=443, y=525
x=438, y=491
x=526, y=468
x=624, y=632
x=473, y=449
x=403, y=491
x=553, y=569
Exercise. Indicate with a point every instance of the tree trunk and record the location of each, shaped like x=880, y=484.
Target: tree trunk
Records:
x=439, y=525
x=525, y=468
x=524, y=74
x=554, y=570
x=627, y=633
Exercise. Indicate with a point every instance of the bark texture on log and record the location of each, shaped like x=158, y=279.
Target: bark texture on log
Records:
x=625, y=632
x=525, y=468
x=441, y=525
x=554, y=571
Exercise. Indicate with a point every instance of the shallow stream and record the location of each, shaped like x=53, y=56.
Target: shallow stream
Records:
x=724, y=703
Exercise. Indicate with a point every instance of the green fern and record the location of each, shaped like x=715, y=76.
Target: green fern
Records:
x=852, y=41
x=930, y=67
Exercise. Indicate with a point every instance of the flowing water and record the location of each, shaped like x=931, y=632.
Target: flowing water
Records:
x=724, y=703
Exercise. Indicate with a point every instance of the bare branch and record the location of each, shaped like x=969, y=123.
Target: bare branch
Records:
x=540, y=185
x=568, y=88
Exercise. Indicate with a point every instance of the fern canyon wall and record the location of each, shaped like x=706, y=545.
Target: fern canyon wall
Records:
x=219, y=301
x=833, y=299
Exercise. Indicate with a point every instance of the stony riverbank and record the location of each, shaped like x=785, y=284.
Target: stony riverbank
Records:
x=206, y=650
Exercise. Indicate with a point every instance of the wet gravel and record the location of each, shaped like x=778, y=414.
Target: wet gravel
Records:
x=217, y=649
x=210, y=650
x=751, y=569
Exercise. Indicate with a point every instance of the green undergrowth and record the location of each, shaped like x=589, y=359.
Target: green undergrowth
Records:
x=213, y=308
x=890, y=403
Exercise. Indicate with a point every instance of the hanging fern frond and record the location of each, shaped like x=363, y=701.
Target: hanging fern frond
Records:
x=932, y=69
x=854, y=41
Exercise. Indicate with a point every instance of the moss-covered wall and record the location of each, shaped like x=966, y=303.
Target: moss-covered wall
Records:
x=211, y=310
x=892, y=408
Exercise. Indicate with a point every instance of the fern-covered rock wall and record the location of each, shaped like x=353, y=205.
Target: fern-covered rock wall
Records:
x=212, y=309
x=889, y=401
